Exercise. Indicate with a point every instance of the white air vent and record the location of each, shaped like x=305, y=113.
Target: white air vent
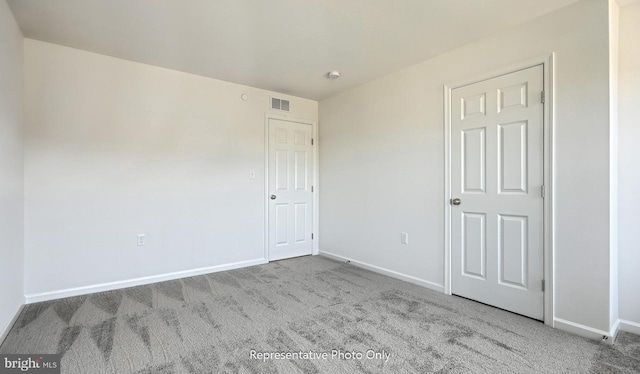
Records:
x=280, y=104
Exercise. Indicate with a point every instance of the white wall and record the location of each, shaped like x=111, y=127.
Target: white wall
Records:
x=11, y=170
x=115, y=148
x=629, y=165
x=382, y=159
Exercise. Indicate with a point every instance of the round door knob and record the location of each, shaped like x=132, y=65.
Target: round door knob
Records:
x=273, y=197
x=456, y=201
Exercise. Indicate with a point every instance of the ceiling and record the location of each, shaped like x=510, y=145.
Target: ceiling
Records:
x=281, y=45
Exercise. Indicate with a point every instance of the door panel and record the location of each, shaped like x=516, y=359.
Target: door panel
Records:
x=512, y=157
x=474, y=104
x=301, y=165
x=290, y=178
x=513, y=250
x=497, y=172
x=282, y=169
x=281, y=224
x=473, y=148
x=301, y=222
x=474, y=244
x=512, y=96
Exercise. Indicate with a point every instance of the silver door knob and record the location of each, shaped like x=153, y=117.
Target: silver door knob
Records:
x=273, y=197
x=456, y=201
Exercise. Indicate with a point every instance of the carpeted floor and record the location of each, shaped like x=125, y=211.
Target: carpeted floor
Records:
x=210, y=324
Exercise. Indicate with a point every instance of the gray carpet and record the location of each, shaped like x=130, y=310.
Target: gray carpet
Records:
x=210, y=323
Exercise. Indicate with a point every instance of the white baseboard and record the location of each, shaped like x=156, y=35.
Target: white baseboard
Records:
x=13, y=321
x=387, y=272
x=614, y=331
x=585, y=331
x=59, y=294
x=629, y=326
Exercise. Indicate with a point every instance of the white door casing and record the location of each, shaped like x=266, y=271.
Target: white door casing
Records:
x=497, y=173
x=290, y=198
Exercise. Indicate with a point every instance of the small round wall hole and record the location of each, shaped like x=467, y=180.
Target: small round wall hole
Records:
x=333, y=74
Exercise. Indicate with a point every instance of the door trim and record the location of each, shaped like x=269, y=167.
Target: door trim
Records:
x=547, y=61
x=316, y=179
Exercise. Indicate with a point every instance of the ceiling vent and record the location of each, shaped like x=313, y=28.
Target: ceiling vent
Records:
x=280, y=104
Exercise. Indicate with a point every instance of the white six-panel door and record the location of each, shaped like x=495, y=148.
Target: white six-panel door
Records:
x=497, y=175
x=290, y=189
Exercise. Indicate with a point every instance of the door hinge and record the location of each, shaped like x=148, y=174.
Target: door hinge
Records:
x=311, y=141
x=311, y=188
x=542, y=97
x=311, y=236
x=542, y=191
x=543, y=285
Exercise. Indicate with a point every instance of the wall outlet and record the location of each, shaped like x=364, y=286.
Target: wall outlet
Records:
x=142, y=240
x=404, y=238
x=252, y=174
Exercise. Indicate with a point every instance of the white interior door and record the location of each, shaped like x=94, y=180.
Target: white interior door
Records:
x=497, y=175
x=290, y=189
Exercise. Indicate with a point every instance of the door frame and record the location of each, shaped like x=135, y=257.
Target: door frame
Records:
x=547, y=61
x=315, y=183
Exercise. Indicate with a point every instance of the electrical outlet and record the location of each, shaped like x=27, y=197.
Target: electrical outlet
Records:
x=252, y=174
x=142, y=240
x=404, y=238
